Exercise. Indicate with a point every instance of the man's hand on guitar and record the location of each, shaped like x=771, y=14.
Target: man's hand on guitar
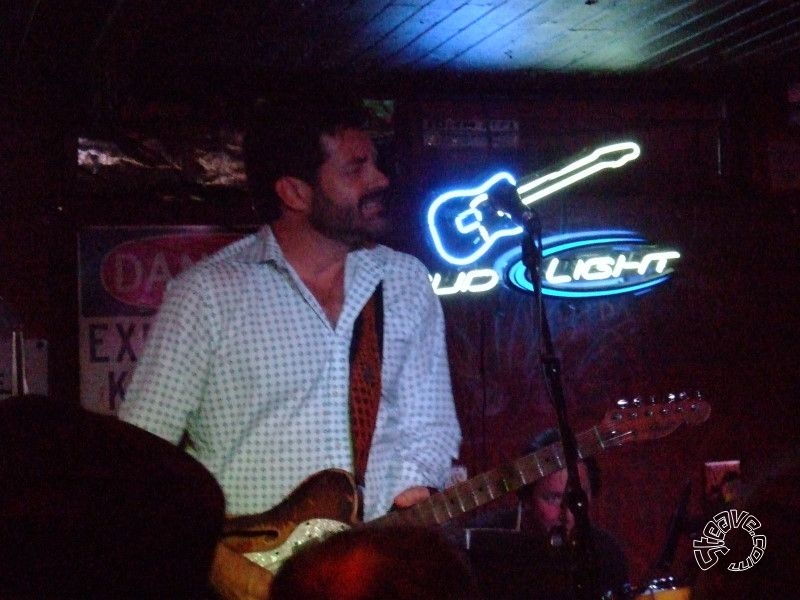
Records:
x=411, y=496
x=235, y=577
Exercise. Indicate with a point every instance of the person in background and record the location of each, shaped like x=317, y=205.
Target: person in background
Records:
x=534, y=561
x=307, y=345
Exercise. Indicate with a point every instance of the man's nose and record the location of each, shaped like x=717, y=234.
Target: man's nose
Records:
x=378, y=178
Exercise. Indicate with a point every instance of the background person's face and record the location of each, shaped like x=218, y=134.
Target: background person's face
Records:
x=546, y=505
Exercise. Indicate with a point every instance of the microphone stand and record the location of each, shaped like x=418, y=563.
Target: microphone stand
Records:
x=581, y=546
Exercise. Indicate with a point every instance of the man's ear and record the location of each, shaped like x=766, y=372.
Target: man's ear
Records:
x=295, y=193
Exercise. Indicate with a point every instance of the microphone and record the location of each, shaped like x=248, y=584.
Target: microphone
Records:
x=503, y=197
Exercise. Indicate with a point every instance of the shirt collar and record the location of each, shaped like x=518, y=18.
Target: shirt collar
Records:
x=266, y=249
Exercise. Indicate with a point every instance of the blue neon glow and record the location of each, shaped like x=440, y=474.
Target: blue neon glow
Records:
x=511, y=263
x=548, y=251
x=463, y=226
x=517, y=276
x=473, y=235
x=562, y=242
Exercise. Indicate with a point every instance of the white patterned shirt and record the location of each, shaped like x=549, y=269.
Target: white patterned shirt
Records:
x=243, y=359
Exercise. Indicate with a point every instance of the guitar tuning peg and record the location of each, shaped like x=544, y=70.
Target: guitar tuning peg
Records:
x=683, y=396
x=622, y=403
x=653, y=399
x=671, y=397
x=637, y=401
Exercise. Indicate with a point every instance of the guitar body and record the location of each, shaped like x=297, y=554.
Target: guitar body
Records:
x=323, y=504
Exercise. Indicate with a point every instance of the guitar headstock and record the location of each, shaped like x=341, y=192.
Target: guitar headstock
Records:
x=648, y=419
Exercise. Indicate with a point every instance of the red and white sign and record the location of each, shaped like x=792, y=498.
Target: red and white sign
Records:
x=123, y=272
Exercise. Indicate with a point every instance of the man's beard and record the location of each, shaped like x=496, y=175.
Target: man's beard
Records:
x=347, y=224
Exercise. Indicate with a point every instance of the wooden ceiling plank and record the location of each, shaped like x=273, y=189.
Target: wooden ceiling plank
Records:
x=619, y=48
x=485, y=34
x=409, y=34
x=545, y=41
x=436, y=38
x=371, y=31
x=700, y=22
x=747, y=32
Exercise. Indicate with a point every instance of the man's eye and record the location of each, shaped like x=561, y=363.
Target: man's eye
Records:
x=353, y=170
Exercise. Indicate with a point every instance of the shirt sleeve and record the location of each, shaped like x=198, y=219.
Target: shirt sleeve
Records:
x=168, y=381
x=429, y=425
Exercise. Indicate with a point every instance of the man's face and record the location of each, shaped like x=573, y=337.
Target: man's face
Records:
x=546, y=506
x=349, y=203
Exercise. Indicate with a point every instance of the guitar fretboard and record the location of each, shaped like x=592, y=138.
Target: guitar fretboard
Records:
x=482, y=489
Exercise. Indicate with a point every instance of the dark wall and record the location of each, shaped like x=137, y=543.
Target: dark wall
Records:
x=37, y=234
x=707, y=183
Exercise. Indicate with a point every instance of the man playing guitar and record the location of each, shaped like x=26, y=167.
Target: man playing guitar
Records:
x=308, y=345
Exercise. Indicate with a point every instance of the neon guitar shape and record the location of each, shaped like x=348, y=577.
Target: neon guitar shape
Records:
x=327, y=502
x=463, y=226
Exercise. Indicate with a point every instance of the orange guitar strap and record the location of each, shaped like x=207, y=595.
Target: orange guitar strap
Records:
x=365, y=379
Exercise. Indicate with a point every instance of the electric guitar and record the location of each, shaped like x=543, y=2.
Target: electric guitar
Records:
x=327, y=502
x=463, y=226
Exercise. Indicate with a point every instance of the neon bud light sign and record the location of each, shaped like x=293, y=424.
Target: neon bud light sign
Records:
x=584, y=265
x=464, y=228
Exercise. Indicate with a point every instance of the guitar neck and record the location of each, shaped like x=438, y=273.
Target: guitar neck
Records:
x=636, y=422
x=491, y=485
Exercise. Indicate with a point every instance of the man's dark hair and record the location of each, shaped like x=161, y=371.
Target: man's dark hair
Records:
x=283, y=138
x=551, y=436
